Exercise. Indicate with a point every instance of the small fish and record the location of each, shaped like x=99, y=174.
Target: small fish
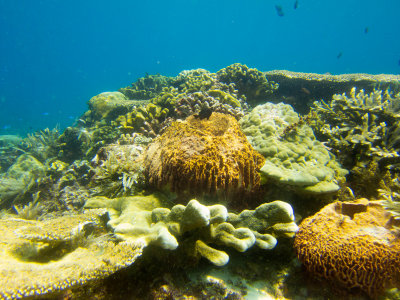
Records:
x=305, y=90
x=205, y=113
x=45, y=114
x=296, y=4
x=279, y=10
x=327, y=73
x=339, y=55
x=366, y=30
x=399, y=62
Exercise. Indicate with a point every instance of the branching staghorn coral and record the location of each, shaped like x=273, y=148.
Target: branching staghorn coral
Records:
x=365, y=125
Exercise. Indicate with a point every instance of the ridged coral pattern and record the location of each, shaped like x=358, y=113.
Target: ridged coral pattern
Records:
x=203, y=156
x=353, y=245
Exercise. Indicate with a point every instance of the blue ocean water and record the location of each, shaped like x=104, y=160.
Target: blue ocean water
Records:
x=55, y=55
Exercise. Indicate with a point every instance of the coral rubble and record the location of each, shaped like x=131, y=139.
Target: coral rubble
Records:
x=354, y=245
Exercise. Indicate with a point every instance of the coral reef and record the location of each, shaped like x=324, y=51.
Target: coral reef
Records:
x=9, y=150
x=203, y=156
x=20, y=178
x=360, y=127
x=107, y=106
x=354, y=245
x=301, y=89
x=293, y=157
x=146, y=87
x=116, y=169
x=192, y=136
x=196, y=227
x=44, y=257
x=148, y=120
x=249, y=82
x=42, y=144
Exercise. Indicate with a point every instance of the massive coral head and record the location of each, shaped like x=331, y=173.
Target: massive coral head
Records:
x=354, y=245
x=203, y=156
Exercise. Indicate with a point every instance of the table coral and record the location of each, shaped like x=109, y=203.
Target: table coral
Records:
x=354, y=245
x=43, y=257
x=294, y=158
x=196, y=227
x=203, y=156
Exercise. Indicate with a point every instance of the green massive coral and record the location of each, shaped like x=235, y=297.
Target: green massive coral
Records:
x=293, y=155
x=196, y=227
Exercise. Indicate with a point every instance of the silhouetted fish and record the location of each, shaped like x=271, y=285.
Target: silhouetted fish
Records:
x=366, y=30
x=205, y=113
x=339, y=55
x=279, y=10
x=296, y=4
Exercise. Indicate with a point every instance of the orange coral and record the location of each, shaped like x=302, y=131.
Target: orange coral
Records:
x=203, y=156
x=353, y=245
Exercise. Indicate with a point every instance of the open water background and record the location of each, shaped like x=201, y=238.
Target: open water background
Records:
x=55, y=55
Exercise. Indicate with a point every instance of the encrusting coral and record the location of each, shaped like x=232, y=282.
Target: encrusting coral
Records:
x=43, y=257
x=293, y=157
x=354, y=245
x=203, y=156
x=196, y=227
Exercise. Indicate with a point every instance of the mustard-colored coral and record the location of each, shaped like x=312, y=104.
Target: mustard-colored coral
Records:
x=352, y=244
x=203, y=156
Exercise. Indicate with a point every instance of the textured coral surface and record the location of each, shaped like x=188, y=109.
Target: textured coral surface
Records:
x=354, y=245
x=203, y=155
x=43, y=257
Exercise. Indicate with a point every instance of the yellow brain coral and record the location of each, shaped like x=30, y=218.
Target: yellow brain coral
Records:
x=353, y=245
x=203, y=156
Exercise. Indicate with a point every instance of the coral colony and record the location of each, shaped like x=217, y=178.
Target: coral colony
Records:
x=173, y=179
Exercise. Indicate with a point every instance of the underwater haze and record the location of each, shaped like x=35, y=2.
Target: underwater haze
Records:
x=55, y=55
